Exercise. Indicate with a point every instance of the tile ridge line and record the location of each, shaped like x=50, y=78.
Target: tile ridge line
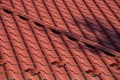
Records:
x=61, y=31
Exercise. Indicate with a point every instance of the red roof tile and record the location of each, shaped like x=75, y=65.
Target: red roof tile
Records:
x=59, y=40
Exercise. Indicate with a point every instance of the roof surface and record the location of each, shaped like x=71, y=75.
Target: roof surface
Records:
x=59, y=39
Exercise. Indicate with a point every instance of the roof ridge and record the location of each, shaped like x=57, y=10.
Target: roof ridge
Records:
x=72, y=36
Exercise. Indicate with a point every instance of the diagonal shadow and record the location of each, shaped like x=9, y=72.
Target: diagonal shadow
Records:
x=100, y=33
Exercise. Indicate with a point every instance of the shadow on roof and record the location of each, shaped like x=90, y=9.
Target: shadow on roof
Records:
x=98, y=31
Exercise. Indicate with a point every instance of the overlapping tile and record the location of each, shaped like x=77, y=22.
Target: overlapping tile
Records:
x=35, y=50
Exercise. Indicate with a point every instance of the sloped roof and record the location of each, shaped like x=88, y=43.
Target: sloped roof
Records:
x=59, y=40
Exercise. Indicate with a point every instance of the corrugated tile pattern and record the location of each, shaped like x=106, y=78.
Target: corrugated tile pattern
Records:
x=59, y=40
